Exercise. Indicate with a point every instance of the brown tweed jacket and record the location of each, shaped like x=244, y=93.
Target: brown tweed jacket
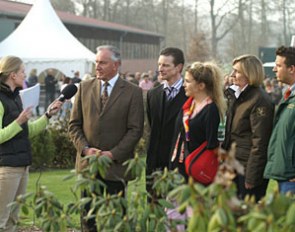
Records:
x=116, y=128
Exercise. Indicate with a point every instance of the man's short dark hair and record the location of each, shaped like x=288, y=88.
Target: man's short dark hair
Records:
x=176, y=53
x=288, y=53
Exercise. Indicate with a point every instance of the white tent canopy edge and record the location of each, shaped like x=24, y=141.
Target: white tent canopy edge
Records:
x=43, y=42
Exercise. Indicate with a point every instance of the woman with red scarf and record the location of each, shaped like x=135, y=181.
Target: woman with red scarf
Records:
x=199, y=120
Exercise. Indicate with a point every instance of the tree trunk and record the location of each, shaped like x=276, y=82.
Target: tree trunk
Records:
x=196, y=17
x=184, y=31
x=284, y=9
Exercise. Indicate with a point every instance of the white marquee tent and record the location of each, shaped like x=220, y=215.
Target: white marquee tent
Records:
x=42, y=41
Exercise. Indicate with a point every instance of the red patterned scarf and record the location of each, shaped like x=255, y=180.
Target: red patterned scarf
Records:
x=189, y=111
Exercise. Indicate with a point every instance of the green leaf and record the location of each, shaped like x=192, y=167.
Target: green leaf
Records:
x=118, y=226
x=68, y=177
x=93, y=168
x=25, y=210
x=290, y=217
x=166, y=204
x=85, y=200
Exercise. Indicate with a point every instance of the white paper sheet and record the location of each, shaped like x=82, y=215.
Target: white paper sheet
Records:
x=30, y=96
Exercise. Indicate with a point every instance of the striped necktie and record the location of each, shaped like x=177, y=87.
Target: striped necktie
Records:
x=105, y=95
x=169, y=93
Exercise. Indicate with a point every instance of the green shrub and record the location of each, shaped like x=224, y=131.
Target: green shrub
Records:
x=65, y=154
x=43, y=150
x=213, y=208
x=53, y=148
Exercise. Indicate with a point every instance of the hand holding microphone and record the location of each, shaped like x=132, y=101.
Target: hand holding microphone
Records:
x=68, y=92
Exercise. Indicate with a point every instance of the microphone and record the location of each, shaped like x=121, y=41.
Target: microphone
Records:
x=68, y=92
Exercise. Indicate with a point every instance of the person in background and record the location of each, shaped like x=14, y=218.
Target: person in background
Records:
x=25, y=84
x=228, y=81
x=31, y=81
x=277, y=91
x=200, y=116
x=111, y=121
x=87, y=76
x=66, y=107
x=145, y=84
x=33, y=78
x=131, y=78
x=50, y=83
x=272, y=91
x=15, y=131
x=163, y=105
x=152, y=76
x=158, y=81
x=76, y=79
x=137, y=78
x=281, y=149
x=248, y=124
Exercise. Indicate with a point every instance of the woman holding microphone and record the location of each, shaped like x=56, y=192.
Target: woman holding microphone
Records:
x=15, y=131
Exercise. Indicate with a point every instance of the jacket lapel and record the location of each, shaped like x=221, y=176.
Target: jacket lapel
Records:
x=159, y=103
x=96, y=94
x=176, y=104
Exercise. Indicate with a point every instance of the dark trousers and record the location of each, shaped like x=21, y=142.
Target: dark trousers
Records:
x=112, y=187
x=49, y=98
x=258, y=191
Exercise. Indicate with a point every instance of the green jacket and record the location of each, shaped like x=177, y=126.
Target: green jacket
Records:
x=281, y=149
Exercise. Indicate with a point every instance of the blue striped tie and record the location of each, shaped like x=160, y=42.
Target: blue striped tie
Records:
x=169, y=93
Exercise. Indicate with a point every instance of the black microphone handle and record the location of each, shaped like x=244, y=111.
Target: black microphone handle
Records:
x=61, y=98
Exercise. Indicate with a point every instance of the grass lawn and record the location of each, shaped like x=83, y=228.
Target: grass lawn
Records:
x=54, y=182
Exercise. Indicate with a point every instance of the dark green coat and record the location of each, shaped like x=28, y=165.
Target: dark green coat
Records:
x=281, y=150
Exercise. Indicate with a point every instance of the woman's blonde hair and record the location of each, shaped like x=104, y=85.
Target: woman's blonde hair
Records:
x=211, y=75
x=251, y=68
x=8, y=65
